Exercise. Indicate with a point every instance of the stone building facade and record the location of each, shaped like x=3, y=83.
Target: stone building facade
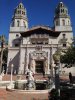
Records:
x=33, y=48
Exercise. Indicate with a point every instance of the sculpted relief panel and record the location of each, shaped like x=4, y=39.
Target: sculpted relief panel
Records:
x=38, y=56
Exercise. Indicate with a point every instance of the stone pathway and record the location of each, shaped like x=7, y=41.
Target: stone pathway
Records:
x=13, y=95
x=8, y=95
x=7, y=77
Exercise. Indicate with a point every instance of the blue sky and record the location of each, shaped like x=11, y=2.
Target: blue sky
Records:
x=39, y=12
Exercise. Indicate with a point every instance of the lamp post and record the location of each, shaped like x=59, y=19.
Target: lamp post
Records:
x=51, y=61
x=56, y=58
x=11, y=72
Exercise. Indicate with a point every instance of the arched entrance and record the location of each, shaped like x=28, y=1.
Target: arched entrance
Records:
x=39, y=62
x=39, y=68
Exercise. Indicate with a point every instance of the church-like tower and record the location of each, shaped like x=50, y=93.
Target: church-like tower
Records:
x=19, y=24
x=62, y=23
x=33, y=48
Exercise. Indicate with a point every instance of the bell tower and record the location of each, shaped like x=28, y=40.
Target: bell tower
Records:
x=19, y=24
x=62, y=23
x=19, y=18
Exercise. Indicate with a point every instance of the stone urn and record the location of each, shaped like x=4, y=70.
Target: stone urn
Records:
x=56, y=57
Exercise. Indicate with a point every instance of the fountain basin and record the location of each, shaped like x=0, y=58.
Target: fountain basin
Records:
x=40, y=86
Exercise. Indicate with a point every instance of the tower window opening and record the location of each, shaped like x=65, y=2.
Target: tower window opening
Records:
x=64, y=45
x=63, y=22
x=18, y=12
x=18, y=23
x=17, y=35
x=61, y=5
x=20, y=6
x=22, y=12
x=16, y=45
x=57, y=22
x=63, y=10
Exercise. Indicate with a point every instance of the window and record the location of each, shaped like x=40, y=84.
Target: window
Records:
x=61, y=5
x=20, y=6
x=63, y=22
x=63, y=10
x=33, y=43
x=57, y=22
x=64, y=35
x=18, y=23
x=39, y=42
x=18, y=12
x=16, y=45
x=24, y=13
x=46, y=42
x=17, y=35
x=64, y=45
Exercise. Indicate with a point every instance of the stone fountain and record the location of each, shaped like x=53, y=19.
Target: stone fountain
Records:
x=30, y=81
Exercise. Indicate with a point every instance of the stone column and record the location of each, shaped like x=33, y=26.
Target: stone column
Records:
x=56, y=57
x=21, y=60
x=32, y=65
x=46, y=65
x=51, y=62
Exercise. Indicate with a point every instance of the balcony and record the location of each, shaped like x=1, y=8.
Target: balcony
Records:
x=17, y=29
x=63, y=40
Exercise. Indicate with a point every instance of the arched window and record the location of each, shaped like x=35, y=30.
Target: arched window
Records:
x=63, y=10
x=63, y=22
x=18, y=12
x=20, y=6
x=22, y=12
x=18, y=23
x=17, y=35
x=64, y=35
x=61, y=5
x=57, y=22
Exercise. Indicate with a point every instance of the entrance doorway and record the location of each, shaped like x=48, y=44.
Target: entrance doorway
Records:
x=39, y=67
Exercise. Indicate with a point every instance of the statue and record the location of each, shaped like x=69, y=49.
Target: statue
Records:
x=32, y=65
x=2, y=74
x=30, y=80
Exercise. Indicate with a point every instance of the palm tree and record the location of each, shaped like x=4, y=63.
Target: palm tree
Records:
x=2, y=41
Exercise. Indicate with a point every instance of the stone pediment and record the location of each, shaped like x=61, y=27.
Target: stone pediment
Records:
x=40, y=30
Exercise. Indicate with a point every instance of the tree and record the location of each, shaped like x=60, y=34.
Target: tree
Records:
x=2, y=42
x=53, y=95
x=69, y=57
